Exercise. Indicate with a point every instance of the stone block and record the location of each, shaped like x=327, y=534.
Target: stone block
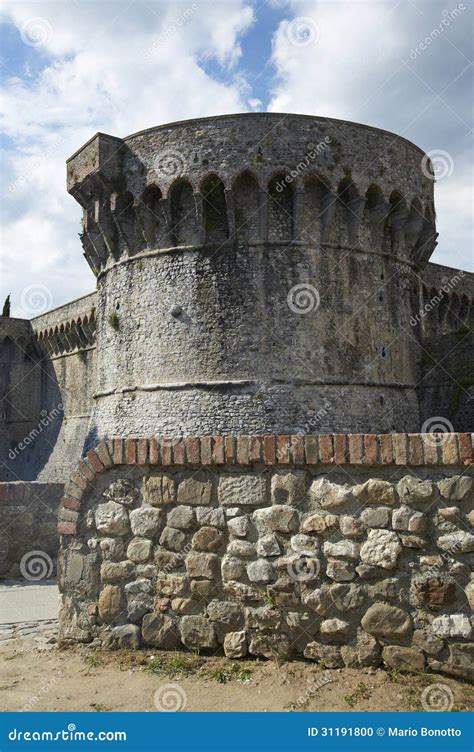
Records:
x=195, y=492
x=381, y=549
x=197, y=633
x=383, y=620
x=242, y=490
x=159, y=490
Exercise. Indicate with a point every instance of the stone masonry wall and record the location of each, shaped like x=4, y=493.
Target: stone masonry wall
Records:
x=348, y=550
x=29, y=540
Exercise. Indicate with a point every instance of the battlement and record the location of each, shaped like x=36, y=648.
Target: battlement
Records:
x=252, y=179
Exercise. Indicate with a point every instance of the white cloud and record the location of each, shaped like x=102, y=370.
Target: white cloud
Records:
x=113, y=67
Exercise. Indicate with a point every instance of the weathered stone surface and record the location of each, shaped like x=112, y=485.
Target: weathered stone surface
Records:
x=239, y=526
x=459, y=542
x=376, y=517
x=381, y=549
x=387, y=589
x=127, y=636
x=242, y=490
x=427, y=641
x=225, y=612
x=351, y=527
x=329, y=495
x=111, y=518
x=458, y=488
x=185, y=606
x=264, y=618
x=146, y=522
x=197, y=633
x=111, y=603
x=194, y=491
x=202, y=588
x=268, y=546
x=202, y=565
x=328, y=655
x=112, y=571
x=235, y=645
x=261, y=571
x=305, y=543
x=383, y=620
x=368, y=650
x=335, y=628
x=140, y=550
x=159, y=490
x=344, y=549
x=271, y=646
x=112, y=548
x=139, y=586
x=339, y=570
x=452, y=625
x=138, y=604
x=403, y=658
x=278, y=518
x=232, y=568
x=208, y=539
x=289, y=488
x=161, y=631
x=172, y=539
x=375, y=491
x=211, y=517
x=180, y=518
x=241, y=548
x=469, y=591
x=319, y=523
x=168, y=560
x=412, y=490
x=347, y=597
x=434, y=592
x=171, y=584
x=122, y=491
x=401, y=517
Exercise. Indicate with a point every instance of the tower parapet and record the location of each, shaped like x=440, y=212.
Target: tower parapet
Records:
x=257, y=273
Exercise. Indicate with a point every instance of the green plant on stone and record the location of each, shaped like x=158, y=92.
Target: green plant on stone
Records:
x=114, y=320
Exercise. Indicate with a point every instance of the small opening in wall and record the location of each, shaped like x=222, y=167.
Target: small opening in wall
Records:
x=117, y=307
x=383, y=352
x=382, y=276
x=381, y=296
x=381, y=400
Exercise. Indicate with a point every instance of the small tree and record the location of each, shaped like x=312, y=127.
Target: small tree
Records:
x=6, y=306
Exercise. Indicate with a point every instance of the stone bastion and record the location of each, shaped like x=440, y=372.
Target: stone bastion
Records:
x=256, y=274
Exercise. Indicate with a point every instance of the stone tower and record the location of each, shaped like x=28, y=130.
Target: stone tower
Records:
x=256, y=274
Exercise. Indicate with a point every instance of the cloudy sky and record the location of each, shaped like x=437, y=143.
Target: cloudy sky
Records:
x=73, y=67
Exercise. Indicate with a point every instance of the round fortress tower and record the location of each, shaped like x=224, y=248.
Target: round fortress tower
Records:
x=256, y=274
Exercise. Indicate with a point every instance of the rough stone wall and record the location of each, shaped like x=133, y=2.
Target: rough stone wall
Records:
x=28, y=528
x=48, y=375
x=347, y=550
x=234, y=255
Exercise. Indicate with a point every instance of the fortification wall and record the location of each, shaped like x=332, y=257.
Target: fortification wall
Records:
x=257, y=273
x=347, y=550
x=29, y=540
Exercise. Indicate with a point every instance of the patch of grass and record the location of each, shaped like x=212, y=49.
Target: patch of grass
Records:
x=176, y=664
x=92, y=660
x=114, y=320
x=99, y=707
x=361, y=692
x=233, y=672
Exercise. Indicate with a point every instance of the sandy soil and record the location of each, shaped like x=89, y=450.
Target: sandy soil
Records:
x=80, y=679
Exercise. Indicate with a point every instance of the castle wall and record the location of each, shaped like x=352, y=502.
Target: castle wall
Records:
x=347, y=550
x=29, y=541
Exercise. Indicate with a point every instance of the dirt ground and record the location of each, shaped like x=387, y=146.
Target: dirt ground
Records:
x=81, y=679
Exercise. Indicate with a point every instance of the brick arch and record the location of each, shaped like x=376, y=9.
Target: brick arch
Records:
x=281, y=450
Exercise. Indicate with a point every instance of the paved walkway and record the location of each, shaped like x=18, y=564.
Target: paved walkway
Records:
x=28, y=610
